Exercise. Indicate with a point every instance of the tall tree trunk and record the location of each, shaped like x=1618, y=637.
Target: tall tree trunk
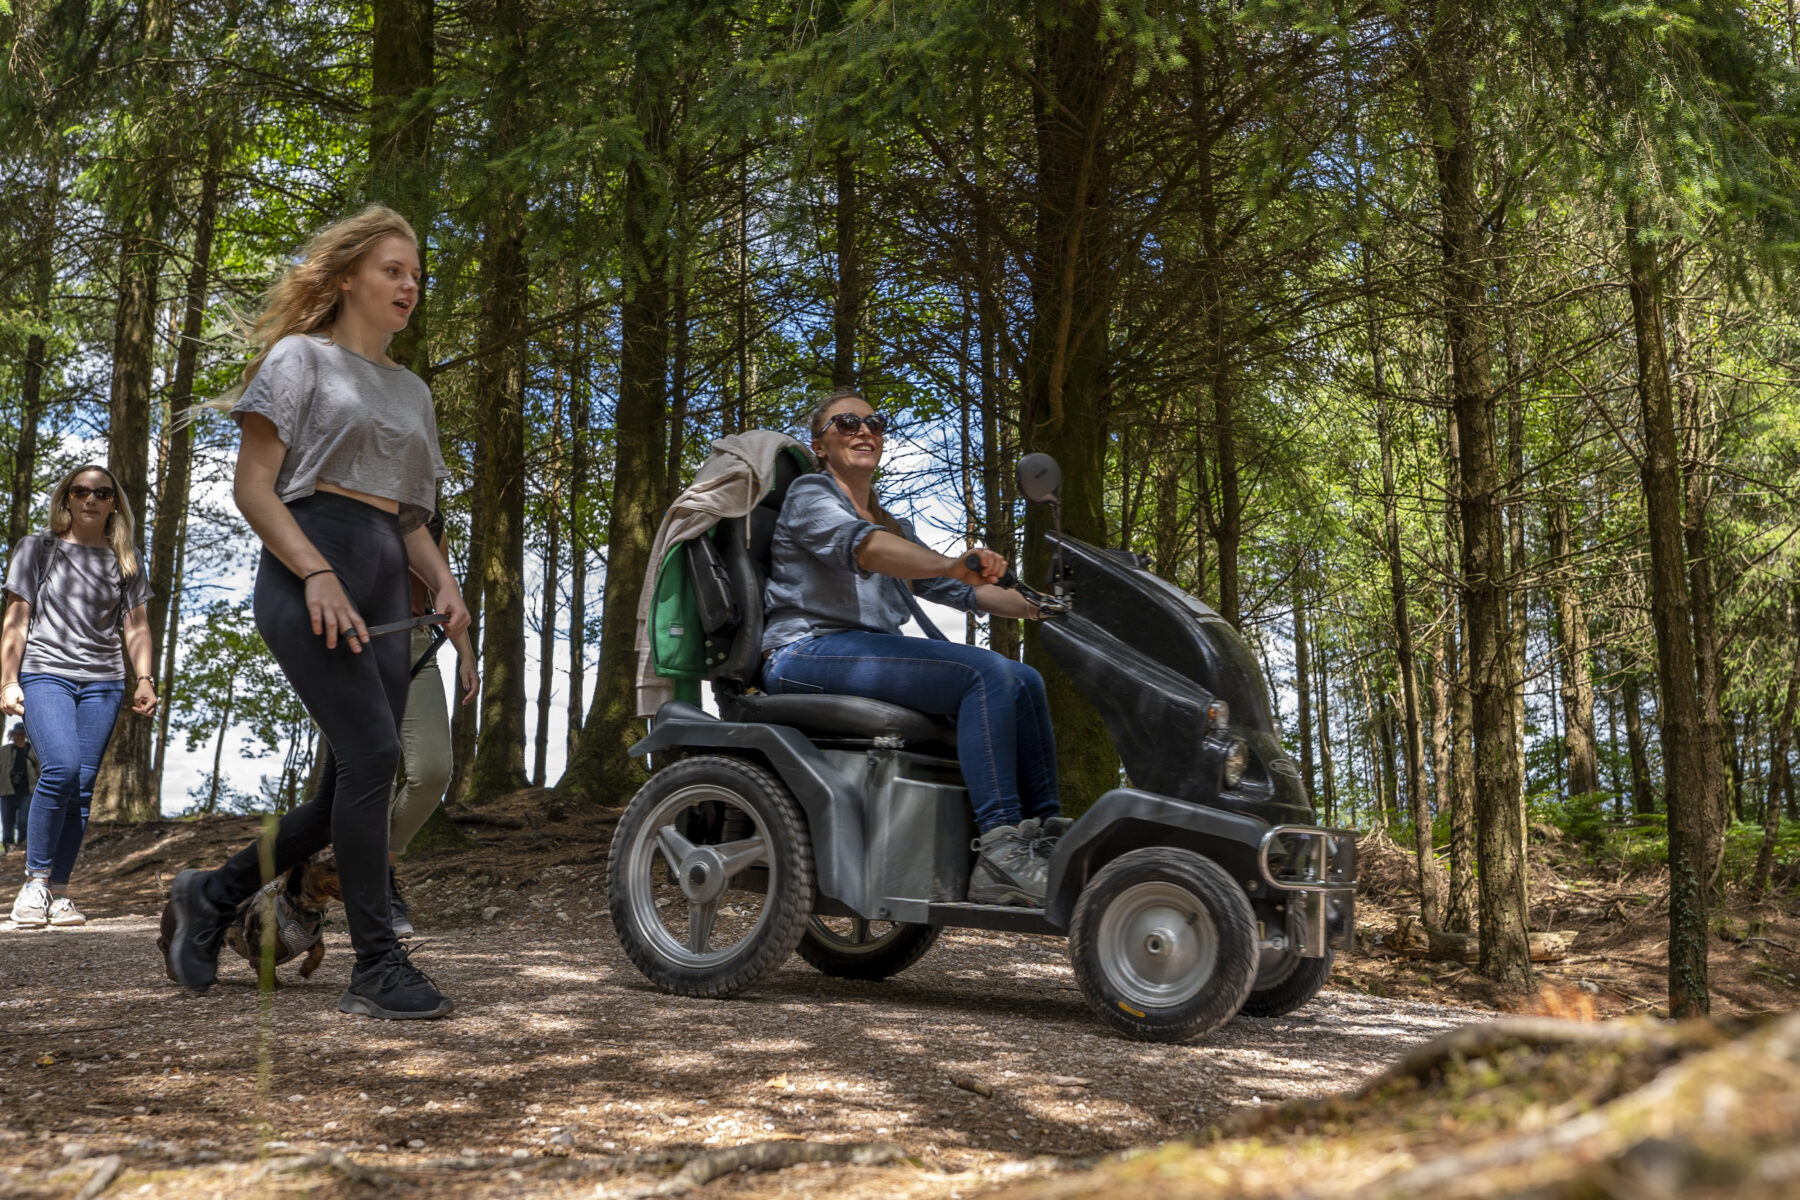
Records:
x=31, y=385
x=579, y=396
x=1698, y=486
x=1520, y=607
x=402, y=64
x=599, y=769
x=1505, y=950
x=1066, y=370
x=1303, y=686
x=123, y=790
x=846, y=313
x=1431, y=888
x=1690, y=768
x=1779, y=772
x=499, y=765
x=1327, y=768
x=1578, y=671
x=1643, y=792
x=546, y=654
x=178, y=463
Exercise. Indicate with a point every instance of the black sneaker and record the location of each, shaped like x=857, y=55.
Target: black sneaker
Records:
x=200, y=925
x=394, y=990
x=402, y=919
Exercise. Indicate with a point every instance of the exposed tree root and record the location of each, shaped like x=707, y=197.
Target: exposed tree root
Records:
x=105, y=1171
x=1480, y=1041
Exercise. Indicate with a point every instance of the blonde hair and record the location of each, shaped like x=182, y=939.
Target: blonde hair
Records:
x=307, y=297
x=118, y=522
x=816, y=423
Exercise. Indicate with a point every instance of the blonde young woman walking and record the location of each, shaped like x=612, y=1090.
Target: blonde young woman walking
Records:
x=337, y=471
x=78, y=592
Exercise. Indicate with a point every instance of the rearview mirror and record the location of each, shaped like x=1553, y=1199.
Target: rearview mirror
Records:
x=1039, y=478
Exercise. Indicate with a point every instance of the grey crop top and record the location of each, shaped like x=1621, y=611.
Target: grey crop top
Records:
x=348, y=421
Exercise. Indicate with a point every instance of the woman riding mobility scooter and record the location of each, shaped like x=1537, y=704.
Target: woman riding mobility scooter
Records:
x=839, y=826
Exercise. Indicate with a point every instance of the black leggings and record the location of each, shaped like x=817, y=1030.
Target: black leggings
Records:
x=357, y=701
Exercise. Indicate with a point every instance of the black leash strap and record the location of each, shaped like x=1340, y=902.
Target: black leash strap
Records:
x=434, y=619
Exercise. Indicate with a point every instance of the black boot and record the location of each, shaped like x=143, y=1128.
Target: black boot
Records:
x=402, y=919
x=394, y=990
x=200, y=925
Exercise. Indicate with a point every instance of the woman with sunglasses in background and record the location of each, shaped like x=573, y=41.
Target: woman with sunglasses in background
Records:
x=79, y=593
x=837, y=597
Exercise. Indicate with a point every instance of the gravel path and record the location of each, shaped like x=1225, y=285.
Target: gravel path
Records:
x=559, y=1048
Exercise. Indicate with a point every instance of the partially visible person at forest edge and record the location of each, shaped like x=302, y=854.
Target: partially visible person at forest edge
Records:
x=18, y=775
x=337, y=471
x=425, y=750
x=79, y=594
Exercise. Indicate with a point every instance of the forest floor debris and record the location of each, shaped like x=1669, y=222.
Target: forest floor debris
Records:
x=613, y=1086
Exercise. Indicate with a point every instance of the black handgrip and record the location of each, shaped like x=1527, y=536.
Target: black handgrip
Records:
x=1008, y=580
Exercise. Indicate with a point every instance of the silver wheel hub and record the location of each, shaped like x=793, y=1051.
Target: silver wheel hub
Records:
x=702, y=874
x=1157, y=944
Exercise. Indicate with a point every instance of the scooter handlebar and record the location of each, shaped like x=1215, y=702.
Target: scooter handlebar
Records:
x=1049, y=606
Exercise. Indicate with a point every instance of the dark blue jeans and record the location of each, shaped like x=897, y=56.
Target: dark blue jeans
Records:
x=69, y=721
x=1003, y=734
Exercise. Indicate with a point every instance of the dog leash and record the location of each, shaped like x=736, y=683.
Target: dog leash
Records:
x=434, y=619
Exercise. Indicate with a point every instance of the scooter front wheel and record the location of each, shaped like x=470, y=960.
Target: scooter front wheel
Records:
x=710, y=877
x=1164, y=945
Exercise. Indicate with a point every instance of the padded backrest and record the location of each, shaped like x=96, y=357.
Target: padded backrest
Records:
x=743, y=542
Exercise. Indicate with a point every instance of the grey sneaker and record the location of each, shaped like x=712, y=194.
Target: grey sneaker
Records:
x=1009, y=869
x=64, y=912
x=1055, y=827
x=32, y=909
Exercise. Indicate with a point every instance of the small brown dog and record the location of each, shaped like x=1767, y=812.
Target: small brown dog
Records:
x=300, y=898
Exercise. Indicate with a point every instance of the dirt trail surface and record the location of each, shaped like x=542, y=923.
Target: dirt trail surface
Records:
x=563, y=1074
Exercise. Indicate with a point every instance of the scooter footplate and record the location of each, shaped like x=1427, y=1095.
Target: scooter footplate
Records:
x=992, y=916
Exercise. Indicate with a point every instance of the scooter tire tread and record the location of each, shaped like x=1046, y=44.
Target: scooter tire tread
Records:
x=776, y=943
x=1295, y=990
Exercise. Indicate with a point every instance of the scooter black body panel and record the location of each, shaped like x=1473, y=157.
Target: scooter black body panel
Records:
x=1151, y=658
x=1127, y=819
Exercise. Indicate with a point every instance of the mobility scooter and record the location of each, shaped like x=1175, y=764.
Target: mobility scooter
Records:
x=839, y=826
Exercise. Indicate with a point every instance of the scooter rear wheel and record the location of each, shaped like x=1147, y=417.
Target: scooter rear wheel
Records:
x=1164, y=945
x=1287, y=986
x=854, y=948
x=710, y=876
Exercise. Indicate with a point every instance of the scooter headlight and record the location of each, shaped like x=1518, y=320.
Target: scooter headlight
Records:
x=1237, y=757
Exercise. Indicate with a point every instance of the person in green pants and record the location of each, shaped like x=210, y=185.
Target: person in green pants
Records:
x=425, y=751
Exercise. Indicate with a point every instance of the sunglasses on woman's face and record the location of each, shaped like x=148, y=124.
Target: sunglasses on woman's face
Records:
x=848, y=423
x=81, y=492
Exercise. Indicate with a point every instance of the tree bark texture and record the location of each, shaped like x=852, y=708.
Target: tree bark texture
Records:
x=1505, y=953
x=1779, y=777
x=1072, y=263
x=1691, y=772
x=599, y=769
x=123, y=789
x=31, y=383
x=499, y=765
x=846, y=314
x=1577, y=664
x=402, y=64
x=1303, y=686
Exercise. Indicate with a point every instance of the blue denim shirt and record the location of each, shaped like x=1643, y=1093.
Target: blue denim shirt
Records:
x=815, y=584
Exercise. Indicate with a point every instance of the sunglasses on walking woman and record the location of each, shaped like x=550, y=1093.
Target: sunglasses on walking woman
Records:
x=81, y=492
x=848, y=423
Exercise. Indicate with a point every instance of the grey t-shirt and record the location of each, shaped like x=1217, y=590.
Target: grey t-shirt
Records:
x=77, y=620
x=815, y=583
x=348, y=421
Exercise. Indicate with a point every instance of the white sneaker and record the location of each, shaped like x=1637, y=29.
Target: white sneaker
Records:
x=64, y=912
x=32, y=909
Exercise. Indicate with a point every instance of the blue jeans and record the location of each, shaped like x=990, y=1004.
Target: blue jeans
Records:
x=69, y=721
x=1003, y=734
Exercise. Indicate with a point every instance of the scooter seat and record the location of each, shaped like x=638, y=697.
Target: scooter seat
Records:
x=828, y=716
